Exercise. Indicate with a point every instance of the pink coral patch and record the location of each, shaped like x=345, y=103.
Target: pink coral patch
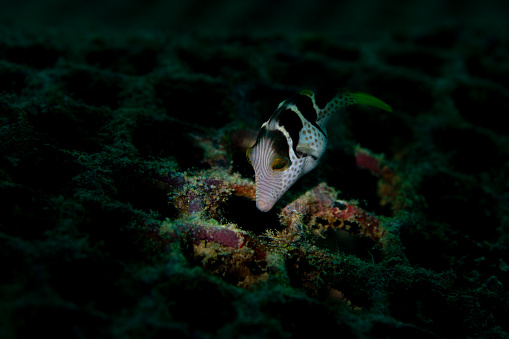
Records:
x=217, y=234
x=366, y=160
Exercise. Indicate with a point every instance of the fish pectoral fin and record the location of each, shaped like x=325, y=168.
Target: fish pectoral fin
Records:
x=304, y=149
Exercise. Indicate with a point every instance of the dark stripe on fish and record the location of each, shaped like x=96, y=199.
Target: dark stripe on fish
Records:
x=292, y=124
x=278, y=140
x=280, y=143
x=305, y=106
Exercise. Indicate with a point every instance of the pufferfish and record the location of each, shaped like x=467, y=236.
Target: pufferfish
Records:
x=292, y=141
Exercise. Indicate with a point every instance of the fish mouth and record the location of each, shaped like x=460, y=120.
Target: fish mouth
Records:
x=266, y=194
x=264, y=205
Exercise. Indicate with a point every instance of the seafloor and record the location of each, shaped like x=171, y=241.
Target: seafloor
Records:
x=127, y=203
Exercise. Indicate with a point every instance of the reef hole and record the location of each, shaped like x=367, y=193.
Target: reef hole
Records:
x=491, y=101
x=243, y=212
x=341, y=172
x=352, y=243
x=93, y=87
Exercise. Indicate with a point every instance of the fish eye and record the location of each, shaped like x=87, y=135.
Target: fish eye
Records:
x=279, y=165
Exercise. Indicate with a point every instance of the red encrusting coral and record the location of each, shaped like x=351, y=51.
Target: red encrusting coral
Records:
x=389, y=184
x=216, y=234
x=365, y=159
x=222, y=250
x=204, y=191
x=321, y=207
x=368, y=223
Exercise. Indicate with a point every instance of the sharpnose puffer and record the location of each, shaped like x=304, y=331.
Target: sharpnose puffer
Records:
x=293, y=140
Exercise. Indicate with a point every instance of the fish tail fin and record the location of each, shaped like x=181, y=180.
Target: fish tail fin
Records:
x=369, y=100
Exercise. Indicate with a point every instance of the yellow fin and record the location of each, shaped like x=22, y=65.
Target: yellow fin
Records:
x=369, y=100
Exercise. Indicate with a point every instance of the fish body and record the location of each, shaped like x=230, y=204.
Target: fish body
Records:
x=292, y=141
